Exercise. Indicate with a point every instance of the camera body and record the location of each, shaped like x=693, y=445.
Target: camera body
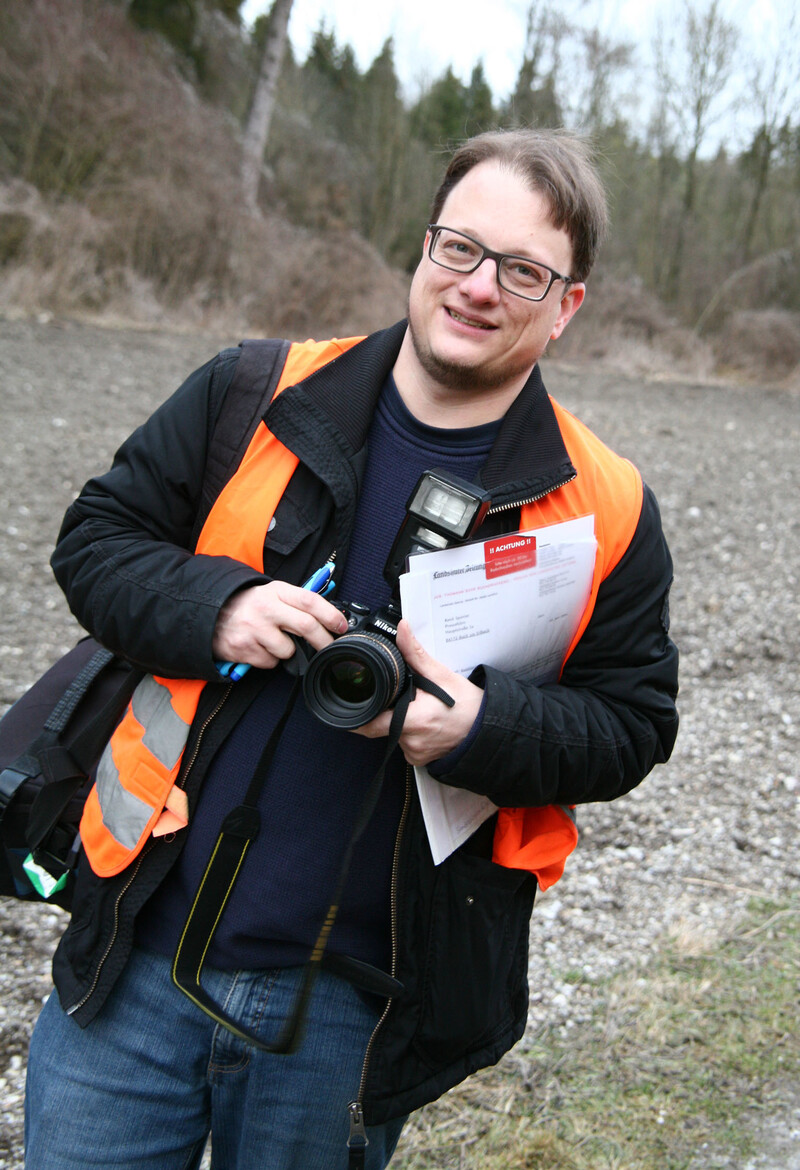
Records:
x=361, y=673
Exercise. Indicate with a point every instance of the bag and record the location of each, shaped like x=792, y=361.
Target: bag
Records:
x=52, y=738
x=50, y=743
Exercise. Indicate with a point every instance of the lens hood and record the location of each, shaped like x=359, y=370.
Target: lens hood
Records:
x=354, y=679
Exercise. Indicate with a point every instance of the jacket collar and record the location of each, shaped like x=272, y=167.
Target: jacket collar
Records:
x=528, y=458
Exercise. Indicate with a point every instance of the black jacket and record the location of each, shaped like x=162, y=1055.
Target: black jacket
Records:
x=460, y=930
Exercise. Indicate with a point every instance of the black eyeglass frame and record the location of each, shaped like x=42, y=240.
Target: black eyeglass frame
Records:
x=487, y=253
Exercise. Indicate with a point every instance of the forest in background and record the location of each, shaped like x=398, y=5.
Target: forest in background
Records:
x=121, y=130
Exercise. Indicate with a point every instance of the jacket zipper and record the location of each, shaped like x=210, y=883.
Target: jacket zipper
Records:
x=114, y=933
x=212, y=715
x=355, y=1108
x=358, y=1138
x=493, y=511
x=206, y=723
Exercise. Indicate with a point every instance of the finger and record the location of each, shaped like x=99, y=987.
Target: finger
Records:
x=305, y=599
x=260, y=658
x=377, y=728
x=304, y=626
x=416, y=657
x=311, y=617
x=275, y=643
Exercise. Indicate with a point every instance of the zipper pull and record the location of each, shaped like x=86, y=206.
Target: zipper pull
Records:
x=358, y=1141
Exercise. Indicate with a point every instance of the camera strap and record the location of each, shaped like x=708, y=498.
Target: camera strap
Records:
x=239, y=829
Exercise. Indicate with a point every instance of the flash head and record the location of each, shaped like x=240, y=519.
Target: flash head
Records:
x=443, y=509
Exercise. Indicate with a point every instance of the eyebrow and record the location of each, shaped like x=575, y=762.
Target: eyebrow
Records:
x=523, y=254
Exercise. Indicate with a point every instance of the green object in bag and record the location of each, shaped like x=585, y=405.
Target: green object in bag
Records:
x=43, y=882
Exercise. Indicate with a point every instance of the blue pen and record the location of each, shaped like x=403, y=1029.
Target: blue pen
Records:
x=238, y=670
x=319, y=582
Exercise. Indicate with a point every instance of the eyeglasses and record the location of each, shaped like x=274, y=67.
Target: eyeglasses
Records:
x=519, y=275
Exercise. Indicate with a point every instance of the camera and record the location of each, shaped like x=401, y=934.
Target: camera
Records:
x=362, y=672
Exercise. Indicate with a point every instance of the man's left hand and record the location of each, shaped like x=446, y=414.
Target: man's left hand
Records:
x=431, y=728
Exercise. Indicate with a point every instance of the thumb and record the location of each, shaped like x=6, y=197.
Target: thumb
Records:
x=413, y=653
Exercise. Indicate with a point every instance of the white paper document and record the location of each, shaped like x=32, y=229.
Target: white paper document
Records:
x=513, y=602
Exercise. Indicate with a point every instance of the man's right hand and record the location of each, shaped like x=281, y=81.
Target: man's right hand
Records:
x=254, y=624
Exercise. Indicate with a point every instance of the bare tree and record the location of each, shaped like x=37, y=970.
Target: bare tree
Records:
x=693, y=76
x=257, y=129
x=535, y=98
x=775, y=87
x=604, y=61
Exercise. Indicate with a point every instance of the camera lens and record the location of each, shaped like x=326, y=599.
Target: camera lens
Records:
x=351, y=681
x=354, y=679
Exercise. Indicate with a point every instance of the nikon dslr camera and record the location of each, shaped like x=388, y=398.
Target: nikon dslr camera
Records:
x=362, y=672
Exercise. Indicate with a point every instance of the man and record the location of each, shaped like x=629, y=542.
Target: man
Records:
x=427, y=976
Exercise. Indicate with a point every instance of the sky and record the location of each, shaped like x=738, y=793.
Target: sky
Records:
x=429, y=35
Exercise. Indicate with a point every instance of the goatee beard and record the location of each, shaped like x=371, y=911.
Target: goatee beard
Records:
x=457, y=375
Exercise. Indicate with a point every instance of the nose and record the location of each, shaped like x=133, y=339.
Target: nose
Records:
x=482, y=284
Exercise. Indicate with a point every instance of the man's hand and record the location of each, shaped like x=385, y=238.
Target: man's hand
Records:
x=254, y=625
x=431, y=728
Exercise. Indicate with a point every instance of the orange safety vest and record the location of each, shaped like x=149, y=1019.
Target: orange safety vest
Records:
x=137, y=773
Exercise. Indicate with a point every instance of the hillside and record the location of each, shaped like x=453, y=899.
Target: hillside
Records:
x=121, y=199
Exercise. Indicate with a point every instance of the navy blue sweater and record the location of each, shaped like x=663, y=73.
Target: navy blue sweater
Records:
x=319, y=775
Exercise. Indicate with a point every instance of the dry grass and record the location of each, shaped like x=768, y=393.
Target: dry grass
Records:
x=685, y=1064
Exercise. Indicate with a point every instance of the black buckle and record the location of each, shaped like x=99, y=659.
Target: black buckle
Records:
x=10, y=780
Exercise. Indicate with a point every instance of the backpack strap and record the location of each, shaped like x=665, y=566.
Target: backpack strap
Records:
x=38, y=750
x=258, y=368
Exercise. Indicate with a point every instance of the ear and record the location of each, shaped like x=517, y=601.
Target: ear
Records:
x=570, y=303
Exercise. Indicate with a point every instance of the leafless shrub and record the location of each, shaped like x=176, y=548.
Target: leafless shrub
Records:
x=62, y=263
x=771, y=280
x=21, y=211
x=141, y=212
x=624, y=325
x=290, y=281
x=95, y=116
x=761, y=344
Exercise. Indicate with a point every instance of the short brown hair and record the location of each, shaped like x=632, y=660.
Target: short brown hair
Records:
x=555, y=163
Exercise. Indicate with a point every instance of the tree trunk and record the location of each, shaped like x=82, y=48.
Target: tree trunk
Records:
x=257, y=129
x=673, y=283
x=766, y=147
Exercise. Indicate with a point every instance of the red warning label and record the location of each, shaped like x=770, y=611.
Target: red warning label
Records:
x=509, y=554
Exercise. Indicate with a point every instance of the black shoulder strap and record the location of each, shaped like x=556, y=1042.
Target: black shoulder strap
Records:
x=259, y=365
x=239, y=829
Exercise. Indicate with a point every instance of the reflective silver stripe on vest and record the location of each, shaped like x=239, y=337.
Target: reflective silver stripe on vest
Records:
x=570, y=812
x=125, y=815
x=165, y=732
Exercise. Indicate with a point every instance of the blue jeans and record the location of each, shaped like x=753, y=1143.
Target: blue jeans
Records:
x=151, y=1076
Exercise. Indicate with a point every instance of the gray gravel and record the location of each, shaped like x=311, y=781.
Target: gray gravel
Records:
x=680, y=856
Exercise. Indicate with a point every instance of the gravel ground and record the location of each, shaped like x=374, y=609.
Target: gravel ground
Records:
x=678, y=857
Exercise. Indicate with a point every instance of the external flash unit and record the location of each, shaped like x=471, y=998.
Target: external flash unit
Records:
x=442, y=510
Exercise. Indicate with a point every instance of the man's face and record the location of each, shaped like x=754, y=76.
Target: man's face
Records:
x=467, y=332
